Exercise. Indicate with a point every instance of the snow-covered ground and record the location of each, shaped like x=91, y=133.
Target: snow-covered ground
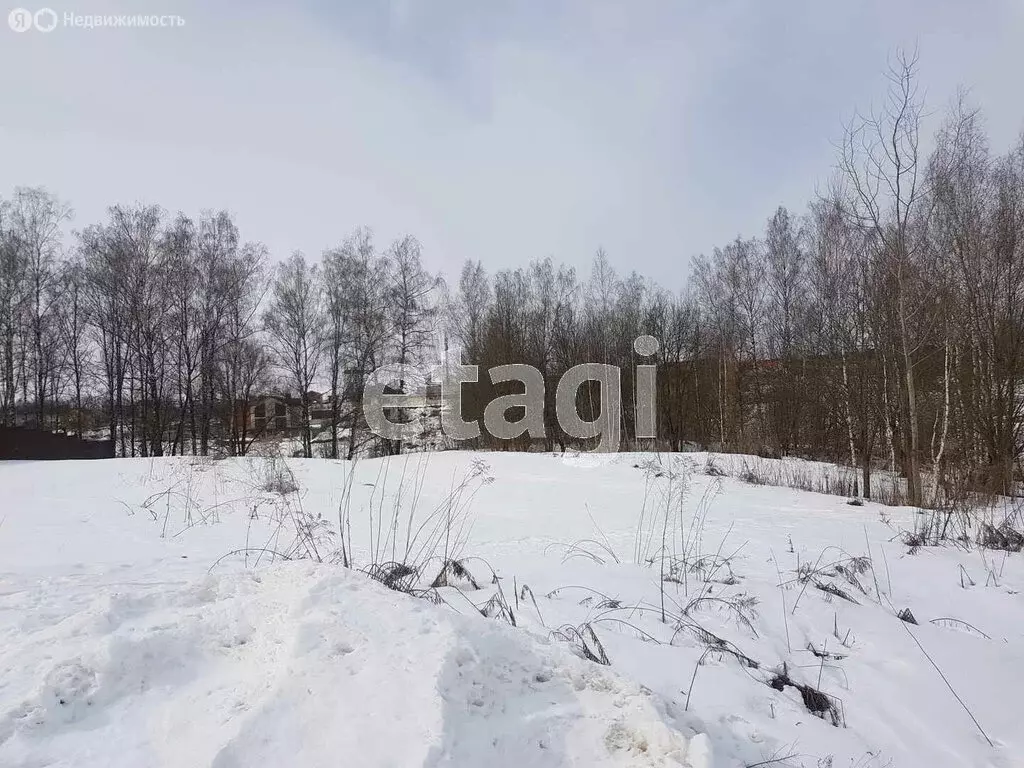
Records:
x=148, y=618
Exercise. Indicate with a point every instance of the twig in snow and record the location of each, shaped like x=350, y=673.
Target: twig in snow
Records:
x=948, y=684
x=782, y=592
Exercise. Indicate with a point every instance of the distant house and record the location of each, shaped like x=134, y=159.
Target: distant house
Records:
x=275, y=413
x=320, y=412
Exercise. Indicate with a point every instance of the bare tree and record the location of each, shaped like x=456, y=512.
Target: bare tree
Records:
x=243, y=362
x=467, y=313
x=73, y=321
x=880, y=158
x=36, y=218
x=785, y=323
x=978, y=238
x=412, y=308
x=294, y=322
x=412, y=302
x=358, y=283
x=12, y=296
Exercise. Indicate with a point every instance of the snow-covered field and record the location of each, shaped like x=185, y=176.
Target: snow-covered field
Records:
x=148, y=618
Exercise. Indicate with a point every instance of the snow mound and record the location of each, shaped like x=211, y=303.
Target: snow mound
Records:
x=303, y=665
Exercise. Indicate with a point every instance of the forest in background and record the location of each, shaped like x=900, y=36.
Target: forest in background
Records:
x=882, y=327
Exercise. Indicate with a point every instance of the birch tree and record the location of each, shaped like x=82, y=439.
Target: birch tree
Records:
x=294, y=323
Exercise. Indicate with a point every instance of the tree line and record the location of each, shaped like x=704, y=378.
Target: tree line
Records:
x=168, y=328
x=881, y=327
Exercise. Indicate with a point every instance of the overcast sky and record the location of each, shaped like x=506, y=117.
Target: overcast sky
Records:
x=490, y=129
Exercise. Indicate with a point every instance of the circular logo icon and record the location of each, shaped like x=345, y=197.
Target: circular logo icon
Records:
x=45, y=20
x=20, y=20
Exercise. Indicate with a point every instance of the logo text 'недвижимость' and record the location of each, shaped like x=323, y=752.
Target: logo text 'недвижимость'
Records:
x=47, y=20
